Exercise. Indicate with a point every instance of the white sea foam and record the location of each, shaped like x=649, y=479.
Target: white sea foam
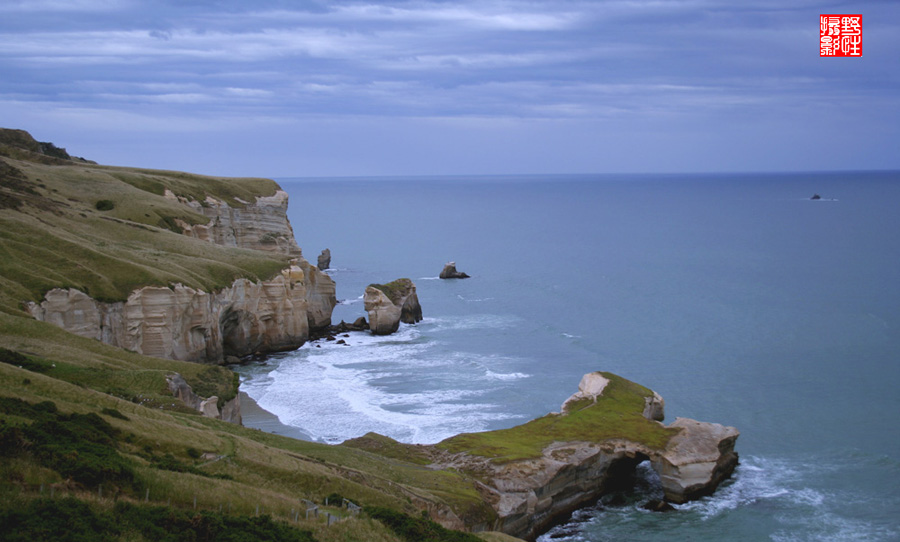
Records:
x=476, y=321
x=474, y=299
x=755, y=479
x=505, y=376
x=398, y=385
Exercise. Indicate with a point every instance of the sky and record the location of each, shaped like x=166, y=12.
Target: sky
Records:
x=279, y=88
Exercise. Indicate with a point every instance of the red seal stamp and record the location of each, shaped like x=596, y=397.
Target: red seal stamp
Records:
x=840, y=35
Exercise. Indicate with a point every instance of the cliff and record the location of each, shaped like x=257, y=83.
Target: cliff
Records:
x=192, y=325
x=170, y=264
x=258, y=225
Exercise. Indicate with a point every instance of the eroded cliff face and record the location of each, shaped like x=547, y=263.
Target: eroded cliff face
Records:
x=258, y=225
x=192, y=325
x=187, y=324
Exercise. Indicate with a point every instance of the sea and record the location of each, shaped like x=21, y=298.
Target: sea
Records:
x=737, y=297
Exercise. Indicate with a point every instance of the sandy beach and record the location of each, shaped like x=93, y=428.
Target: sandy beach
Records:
x=256, y=417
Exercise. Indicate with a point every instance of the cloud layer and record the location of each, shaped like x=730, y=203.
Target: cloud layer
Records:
x=411, y=87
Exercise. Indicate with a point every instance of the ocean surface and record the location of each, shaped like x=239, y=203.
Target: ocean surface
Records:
x=736, y=297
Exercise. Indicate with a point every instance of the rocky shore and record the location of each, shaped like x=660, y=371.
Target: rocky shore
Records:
x=535, y=475
x=519, y=480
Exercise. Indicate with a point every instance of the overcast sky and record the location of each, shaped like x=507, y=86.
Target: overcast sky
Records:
x=320, y=88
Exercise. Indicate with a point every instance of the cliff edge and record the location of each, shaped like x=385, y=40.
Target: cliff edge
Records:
x=168, y=264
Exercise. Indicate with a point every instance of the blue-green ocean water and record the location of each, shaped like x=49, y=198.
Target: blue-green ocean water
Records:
x=735, y=297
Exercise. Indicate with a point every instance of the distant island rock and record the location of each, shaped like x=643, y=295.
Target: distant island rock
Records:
x=392, y=303
x=450, y=272
x=324, y=260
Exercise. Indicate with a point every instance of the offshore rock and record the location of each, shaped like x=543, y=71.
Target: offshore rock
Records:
x=391, y=303
x=384, y=315
x=320, y=295
x=324, y=261
x=259, y=225
x=450, y=272
x=192, y=325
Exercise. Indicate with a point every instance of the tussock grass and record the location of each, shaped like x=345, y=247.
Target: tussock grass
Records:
x=268, y=471
x=54, y=236
x=617, y=414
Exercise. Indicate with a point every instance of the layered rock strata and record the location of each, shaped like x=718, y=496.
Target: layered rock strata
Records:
x=187, y=324
x=391, y=303
x=258, y=225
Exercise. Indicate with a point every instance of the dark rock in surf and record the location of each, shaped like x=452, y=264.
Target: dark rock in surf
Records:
x=450, y=272
x=658, y=506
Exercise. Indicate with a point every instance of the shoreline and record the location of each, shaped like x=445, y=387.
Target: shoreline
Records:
x=254, y=416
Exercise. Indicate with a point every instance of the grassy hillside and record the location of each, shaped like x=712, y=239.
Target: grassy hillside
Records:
x=171, y=455
x=92, y=443
x=108, y=230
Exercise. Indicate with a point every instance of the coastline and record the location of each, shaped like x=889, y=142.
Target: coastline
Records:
x=256, y=417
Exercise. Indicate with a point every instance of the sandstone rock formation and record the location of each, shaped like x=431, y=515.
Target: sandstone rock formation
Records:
x=231, y=411
x=392, y=303
x=192, y=325
x=384, y=315
x=696, y=460
x=532, y=493
x=324, y=261
x=450, y=272
x=258, y=225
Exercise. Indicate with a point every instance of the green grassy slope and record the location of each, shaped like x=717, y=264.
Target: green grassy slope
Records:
x=52, y=233
x=114, y=433
x=161, y=442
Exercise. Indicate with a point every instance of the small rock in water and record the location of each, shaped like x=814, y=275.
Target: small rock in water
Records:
x=450, y=272
x=658, y=506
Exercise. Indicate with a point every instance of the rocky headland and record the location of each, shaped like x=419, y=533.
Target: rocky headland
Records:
x=191, y=324
x=536, y=474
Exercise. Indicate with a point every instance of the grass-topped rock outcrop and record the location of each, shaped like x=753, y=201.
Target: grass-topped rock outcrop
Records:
x=538, y=472
x=535, y=474
x=392, y=303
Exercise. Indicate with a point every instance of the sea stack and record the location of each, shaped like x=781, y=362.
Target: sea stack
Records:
x=450, y=272
x=392, y=303
x=324, y=260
